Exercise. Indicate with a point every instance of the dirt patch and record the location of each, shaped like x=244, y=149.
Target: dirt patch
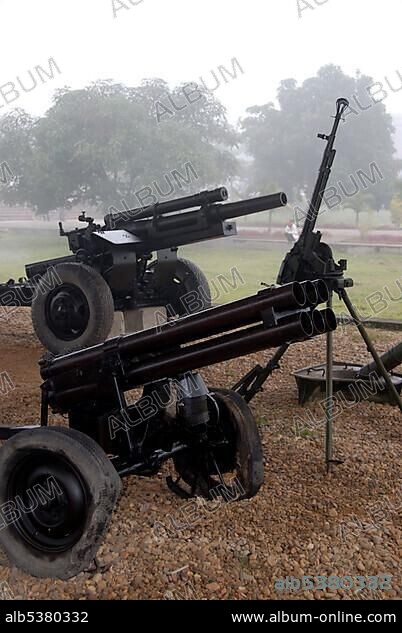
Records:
x=302, y=522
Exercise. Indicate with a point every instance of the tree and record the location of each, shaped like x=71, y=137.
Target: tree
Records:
x=396, y=209
x=16, y=154
x=362, y=203
x=282, y=140
x=102, y=144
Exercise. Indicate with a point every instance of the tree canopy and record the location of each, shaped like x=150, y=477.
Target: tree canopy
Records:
x=282, y=140
x=104, y=143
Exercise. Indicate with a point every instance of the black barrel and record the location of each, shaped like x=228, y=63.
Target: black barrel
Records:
x=222, y=348
x=391, y=359
x=252, y=205
x=176, y=224
x=330, y=319
x=311, y=292
x=214, y=212
x=324, y=321
x=174, y=362
x=202, y=199
x=223, y=318
x=75, y=387
x=322, y=290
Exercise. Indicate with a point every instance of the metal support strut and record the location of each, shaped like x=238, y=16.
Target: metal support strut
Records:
x=329, y=398
x=377, y=358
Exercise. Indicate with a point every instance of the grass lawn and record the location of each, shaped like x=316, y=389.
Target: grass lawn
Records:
x=18, y=248
x=377, y=277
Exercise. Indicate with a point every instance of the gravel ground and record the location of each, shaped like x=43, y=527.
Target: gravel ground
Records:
x=303, y=522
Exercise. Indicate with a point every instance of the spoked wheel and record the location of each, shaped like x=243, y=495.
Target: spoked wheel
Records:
x=60, y=490
x=73, y=307
x=230, y=464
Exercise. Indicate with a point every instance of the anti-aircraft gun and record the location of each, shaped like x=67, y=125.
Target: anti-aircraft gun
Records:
x=67, y=479
x=74, y=298
x=310, y=258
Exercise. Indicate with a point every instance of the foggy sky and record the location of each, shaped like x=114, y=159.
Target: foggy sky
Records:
x=183, y=40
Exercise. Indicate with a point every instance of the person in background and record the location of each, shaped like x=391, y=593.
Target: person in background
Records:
x=291, y=232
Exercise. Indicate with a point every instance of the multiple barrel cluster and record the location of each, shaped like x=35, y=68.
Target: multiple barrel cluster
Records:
x=271, y=317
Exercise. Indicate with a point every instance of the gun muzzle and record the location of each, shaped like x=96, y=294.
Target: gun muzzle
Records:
x=202, y=199
x=233, y=210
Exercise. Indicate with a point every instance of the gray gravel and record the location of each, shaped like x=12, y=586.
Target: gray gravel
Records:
x=303, y=522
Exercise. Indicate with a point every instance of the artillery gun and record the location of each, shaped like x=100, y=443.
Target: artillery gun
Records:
x=59, y=485
x=74, y=298
x=310, y=258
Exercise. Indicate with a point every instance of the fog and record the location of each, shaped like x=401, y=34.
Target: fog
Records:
x=178, y=40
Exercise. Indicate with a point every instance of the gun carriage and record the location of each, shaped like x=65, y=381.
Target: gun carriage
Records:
x=74, y=298
x=209, y=435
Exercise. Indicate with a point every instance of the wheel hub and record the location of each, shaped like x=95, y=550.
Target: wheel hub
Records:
x=51, y=499
x=67, y=312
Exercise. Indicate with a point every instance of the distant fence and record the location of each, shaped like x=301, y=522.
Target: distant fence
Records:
x=339, y=247
x=24, y=214
x=378, y=324
x=15, y=214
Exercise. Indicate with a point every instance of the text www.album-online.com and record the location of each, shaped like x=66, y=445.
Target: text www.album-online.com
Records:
x=338, y=618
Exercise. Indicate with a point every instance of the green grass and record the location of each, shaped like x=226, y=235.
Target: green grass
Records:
x=372, y=273
x=18, y=248
x=377, y=277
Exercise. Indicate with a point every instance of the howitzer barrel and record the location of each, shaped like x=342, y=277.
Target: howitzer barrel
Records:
x=176, y=227
x=203, y=324
x=214, y=212
x=391, y=359
x=204, y=198
x=253, y=205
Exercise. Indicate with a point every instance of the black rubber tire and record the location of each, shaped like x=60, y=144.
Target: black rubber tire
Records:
x=102, y=484
x=99, y=301
x=191, y=280
x=247, y=454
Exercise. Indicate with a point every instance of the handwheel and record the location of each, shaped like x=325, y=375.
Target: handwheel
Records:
x=230, y=463
x=73, y=307
x=60, y=490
